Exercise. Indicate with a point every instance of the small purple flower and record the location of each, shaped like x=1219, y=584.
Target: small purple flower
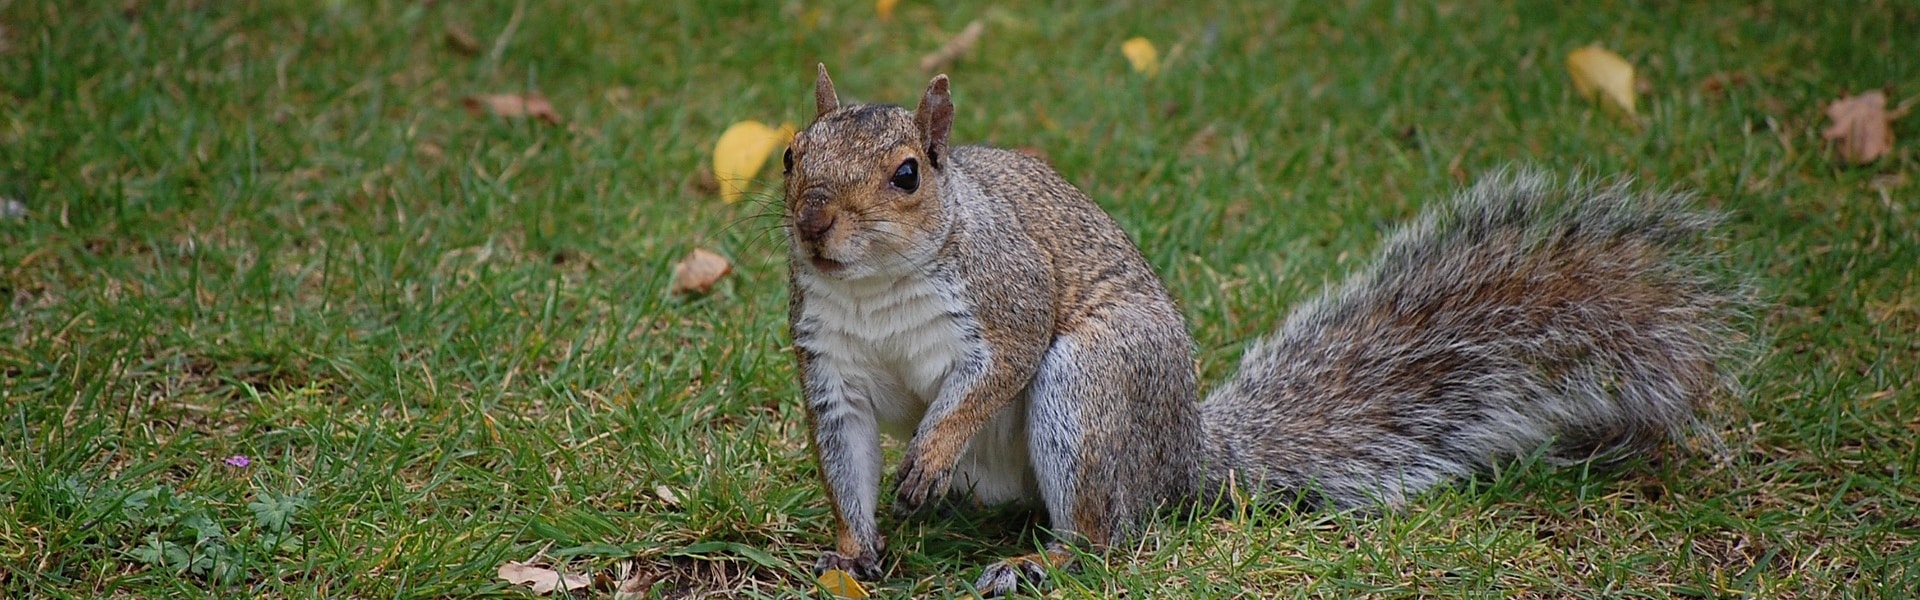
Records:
x=239, y=461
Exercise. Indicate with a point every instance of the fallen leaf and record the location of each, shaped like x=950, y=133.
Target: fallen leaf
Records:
x=1717, y=83
x=513, y=106
x=1862, y=126
x=636, y=586
x=840, y=584
x=1142, y=55
x=1599, y=73
x=542, y=579
x=740, y=152
x=703, y=181
x=960, y=44
x=462, y=41
x=885, y=8
x=697, y=273
x=666, y=493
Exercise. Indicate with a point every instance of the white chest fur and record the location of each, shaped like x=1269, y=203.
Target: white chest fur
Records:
x=893, y=342
x=894, y=345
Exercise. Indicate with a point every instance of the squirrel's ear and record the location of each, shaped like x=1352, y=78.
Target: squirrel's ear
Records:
x=824, y=99
x=935, y=118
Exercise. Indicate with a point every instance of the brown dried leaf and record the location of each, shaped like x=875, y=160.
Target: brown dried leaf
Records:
x=462, y=41
x=704, y=182
x=541, y=579
x=513, y=106
x=1862, y=128
x=697, y=273
x=960, y=44
x=1718, y=83
x=666, y=495
x=636, y=585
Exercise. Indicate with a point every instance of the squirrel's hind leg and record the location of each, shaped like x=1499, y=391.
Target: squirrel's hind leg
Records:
x=1097, y=487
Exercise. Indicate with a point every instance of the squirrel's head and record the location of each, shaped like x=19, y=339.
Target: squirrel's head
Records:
x=863, y=184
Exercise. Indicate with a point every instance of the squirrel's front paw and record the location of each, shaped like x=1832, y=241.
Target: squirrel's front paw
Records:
x=918, y=485
x=865, y=567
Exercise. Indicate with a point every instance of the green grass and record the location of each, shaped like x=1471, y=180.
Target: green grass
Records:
x=270, y=229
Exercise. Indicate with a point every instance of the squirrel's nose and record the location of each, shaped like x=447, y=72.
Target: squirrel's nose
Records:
x=813, y=222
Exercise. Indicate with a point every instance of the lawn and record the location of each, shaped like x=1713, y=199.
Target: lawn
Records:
x=282, y=318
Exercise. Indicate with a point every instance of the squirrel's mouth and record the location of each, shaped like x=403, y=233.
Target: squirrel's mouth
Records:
x=826, y=265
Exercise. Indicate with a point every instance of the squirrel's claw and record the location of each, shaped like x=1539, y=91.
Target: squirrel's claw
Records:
x=918, y=485
x=865, y=567
x=1004, y=577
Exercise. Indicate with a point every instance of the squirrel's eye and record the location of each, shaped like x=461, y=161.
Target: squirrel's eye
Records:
x=907, y=177
x=788, y=159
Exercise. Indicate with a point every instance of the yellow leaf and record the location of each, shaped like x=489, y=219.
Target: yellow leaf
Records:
x=742, y=148
x=1599, y=73
x=840, y=584
x=885, y=8
x=1142, y=54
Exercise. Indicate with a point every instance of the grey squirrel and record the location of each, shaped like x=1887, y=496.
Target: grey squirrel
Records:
x=969, y=300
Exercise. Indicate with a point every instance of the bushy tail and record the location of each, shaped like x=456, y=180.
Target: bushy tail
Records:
x=1519, y=315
